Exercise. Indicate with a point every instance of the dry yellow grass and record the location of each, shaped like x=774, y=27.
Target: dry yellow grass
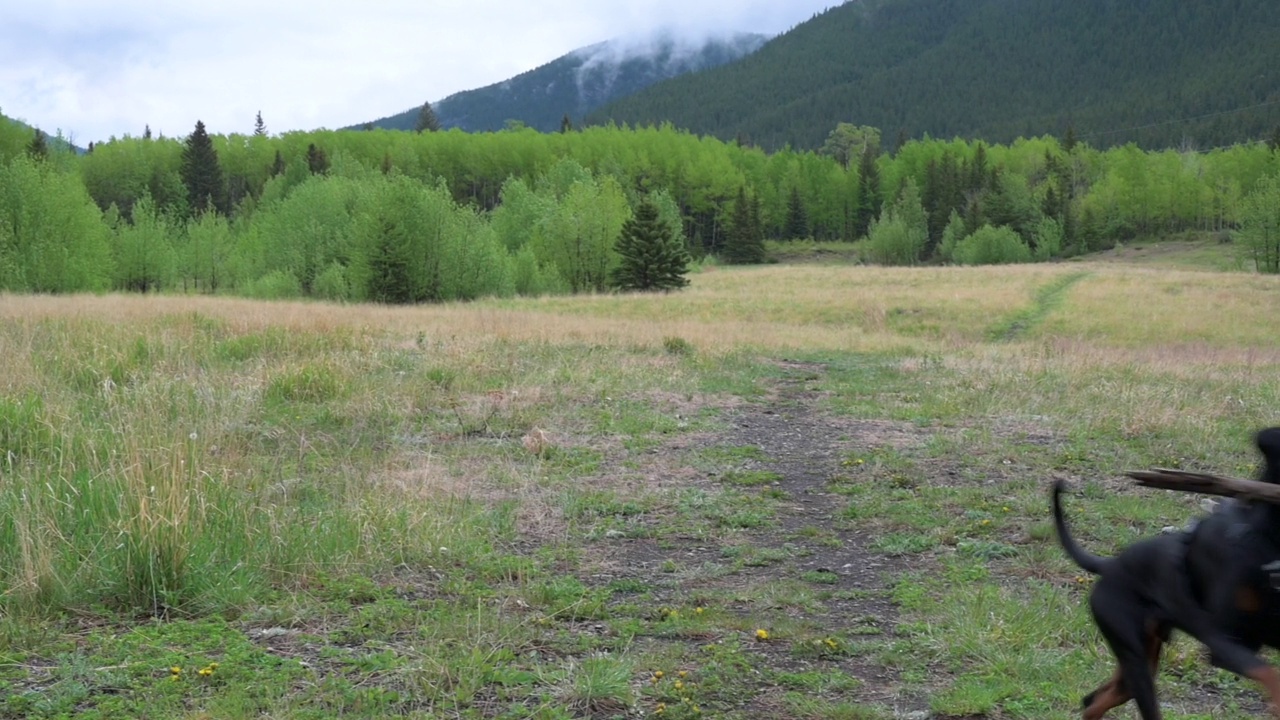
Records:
x=1116, y=315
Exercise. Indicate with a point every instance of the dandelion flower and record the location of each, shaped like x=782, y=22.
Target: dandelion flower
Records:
x=762, y=634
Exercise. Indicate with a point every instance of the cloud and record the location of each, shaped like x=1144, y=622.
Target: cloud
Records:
x=101, y=69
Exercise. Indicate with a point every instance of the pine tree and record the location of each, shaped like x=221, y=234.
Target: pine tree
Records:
x=277, y=165
x=566, y=125
x=653, y=258
x=202, y=174
x=1069, y=139
x=38, y=148
x=317, y=160
x=427, y=119
x=259, y=127
x=146, y=132
x=744, y=241
x=868, y=191
x=797, y=222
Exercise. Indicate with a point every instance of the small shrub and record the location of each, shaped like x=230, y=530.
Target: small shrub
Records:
x=992, y=246
x=677, y=346
x=332, y=284
x=277, y=285
x=308, y=385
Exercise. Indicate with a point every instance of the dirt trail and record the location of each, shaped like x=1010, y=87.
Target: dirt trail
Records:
x=805, y=447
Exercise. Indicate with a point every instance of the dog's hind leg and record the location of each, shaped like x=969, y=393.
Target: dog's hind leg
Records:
x=1135, y=638
x=1111, y=694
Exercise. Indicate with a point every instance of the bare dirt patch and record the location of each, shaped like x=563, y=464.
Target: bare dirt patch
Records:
x=817, y=573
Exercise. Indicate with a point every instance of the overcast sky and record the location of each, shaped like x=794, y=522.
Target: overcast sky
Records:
x=95, y=69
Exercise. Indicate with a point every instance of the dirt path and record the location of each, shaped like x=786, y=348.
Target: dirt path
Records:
x=845, y=587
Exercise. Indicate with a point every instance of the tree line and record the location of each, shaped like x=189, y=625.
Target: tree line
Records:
x=393, y=216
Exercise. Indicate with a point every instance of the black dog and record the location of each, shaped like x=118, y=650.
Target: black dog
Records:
x=1218, y=582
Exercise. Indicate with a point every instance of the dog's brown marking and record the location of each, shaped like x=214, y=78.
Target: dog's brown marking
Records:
x=1247, y=599
x=1110, y=695
x=1269, y=679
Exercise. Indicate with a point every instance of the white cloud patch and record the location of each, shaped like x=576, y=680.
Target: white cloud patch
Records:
x=95, y=70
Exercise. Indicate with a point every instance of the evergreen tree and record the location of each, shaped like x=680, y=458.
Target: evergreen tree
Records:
x=146, y=132
x=317, y=160
x=566, y=125
x=427, y=119
x=744, y=241
x=277, y=165
x=653, y=258
x=38, y=149
x=259, y=127
x=797, y=223
x=202, y=173
x=367, y=127
x=868, y=191
x=1273, y=142
x=1069, y=139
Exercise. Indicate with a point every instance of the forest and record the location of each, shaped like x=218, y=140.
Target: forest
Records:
x=1161, y=73
x=453, y=216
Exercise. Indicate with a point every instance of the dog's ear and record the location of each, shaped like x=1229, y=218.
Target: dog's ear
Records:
x=1268, y=441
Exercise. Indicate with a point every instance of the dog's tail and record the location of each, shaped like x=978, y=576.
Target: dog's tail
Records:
x=1086, y=560
x=1268, y=441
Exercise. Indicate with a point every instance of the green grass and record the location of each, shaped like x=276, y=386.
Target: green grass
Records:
x=527, y=511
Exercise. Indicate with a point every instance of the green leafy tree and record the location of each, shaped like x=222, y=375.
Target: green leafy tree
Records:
x=206, y=257
x=847, y=142
x=744, y=241
x=652, y=258
x=992, y=246
x=202, y=173
x=427, y=120
x=952, y=234
x=52, y=237
x=145, y=258
x=899, y=236
x=1259, y=231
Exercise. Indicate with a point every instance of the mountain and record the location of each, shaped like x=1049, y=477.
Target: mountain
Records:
x=1157, y=72
x=576, y=83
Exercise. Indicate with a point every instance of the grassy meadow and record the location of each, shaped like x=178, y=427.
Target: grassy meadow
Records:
x=791, y=491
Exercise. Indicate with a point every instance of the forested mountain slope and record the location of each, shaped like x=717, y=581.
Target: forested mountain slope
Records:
x=1158, y=72
x=577, y=83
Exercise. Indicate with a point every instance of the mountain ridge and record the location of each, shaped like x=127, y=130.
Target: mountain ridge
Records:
x=579, y=81
x=992, y=70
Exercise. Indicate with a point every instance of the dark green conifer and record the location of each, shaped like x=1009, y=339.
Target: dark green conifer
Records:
x=744, y=241
x=38, y=148
x=797, y=222
x=202, y=173
x=317, y=160
x=653, y=258
x=427, y=119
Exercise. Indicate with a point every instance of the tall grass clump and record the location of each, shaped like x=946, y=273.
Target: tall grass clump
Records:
x=129, y=514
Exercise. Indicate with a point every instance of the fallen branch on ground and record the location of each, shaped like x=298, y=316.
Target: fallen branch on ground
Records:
x=1206, y=484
